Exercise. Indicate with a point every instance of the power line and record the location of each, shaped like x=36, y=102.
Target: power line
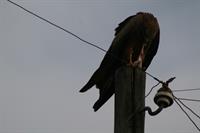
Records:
x=187, y=107
x=187, y=115
x=57, y=26
x=153, y=77
x=152, y=89
x=188, y=99
x=196, y=89
x=76, y=36
x=65, y=30
x=159, y=82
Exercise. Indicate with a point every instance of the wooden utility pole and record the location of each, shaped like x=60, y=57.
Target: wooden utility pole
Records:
x=129, y=100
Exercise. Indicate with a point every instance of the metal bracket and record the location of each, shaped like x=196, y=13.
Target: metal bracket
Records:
x=163, y=98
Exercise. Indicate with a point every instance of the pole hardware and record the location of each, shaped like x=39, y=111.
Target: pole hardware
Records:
x=163, y=98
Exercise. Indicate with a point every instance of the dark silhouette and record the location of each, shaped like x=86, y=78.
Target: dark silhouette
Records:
x=135, y=44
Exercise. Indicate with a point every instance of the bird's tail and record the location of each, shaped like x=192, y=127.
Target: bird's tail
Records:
x=102, y=100
x=105, y=93
x=91, y=82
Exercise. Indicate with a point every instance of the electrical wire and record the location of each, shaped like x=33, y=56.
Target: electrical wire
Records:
x=57, y=26
x=160, y=82
x=196, y=89
x=187, y=115
x=188, y=99
x=76, y=36
x=153, y=77
x=152, y=89
x=67, y=31
x=187, y=107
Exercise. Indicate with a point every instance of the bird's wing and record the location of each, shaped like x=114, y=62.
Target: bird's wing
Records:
x=112, y=58
x=151, y=51
x=122, y=24
x=122, y=36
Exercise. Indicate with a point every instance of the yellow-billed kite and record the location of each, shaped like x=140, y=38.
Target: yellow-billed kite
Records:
x=135, y=44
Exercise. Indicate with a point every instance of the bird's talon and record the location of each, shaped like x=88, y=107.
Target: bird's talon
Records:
x=135, y=64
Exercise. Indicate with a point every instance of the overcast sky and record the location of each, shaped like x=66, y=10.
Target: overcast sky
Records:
x=43, y=68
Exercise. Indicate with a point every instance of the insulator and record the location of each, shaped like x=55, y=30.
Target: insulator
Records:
x=164, y=97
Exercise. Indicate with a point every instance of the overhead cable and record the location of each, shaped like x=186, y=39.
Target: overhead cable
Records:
x=57, y=26
x=182, y=90
x=187, y=115
x=76, y=36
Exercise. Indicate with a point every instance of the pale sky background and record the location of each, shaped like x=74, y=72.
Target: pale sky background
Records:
x=43, y=68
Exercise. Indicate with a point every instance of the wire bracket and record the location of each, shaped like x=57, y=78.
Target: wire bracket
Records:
x=164, y=98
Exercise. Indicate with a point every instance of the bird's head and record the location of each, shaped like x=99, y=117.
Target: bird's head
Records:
x=151, y=27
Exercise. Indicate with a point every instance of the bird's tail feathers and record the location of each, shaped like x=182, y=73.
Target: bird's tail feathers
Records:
x=103, y=99
x=93, y=80
x=87, y=86
x=105, y=93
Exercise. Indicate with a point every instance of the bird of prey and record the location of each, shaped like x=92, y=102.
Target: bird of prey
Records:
x=135, y=44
